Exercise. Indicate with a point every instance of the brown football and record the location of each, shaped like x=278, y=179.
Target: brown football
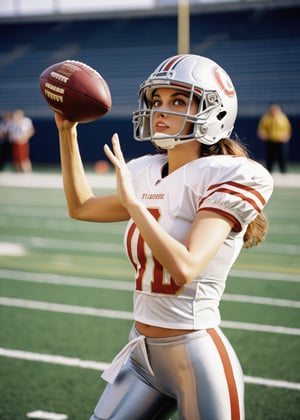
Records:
x=75, y=90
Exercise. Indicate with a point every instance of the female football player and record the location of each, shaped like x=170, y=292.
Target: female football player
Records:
x=190, y=209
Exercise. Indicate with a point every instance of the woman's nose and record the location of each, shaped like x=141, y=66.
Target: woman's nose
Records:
x=161, y=111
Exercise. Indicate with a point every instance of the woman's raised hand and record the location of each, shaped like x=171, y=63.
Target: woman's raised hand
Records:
x=124, y=184
x=62, y=123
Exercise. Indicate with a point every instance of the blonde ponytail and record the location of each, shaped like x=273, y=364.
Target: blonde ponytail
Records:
x=256, y=231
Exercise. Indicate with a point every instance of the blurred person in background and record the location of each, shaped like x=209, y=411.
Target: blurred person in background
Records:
x=5, y=143
x=275, y=129
x=21, y=131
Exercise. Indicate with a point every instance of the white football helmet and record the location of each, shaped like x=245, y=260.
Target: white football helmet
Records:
x=201, y=77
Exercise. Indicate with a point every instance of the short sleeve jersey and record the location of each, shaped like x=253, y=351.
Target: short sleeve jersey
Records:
x=235, y=187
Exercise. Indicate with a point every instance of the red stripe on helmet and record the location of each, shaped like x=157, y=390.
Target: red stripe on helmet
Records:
x=172, y=62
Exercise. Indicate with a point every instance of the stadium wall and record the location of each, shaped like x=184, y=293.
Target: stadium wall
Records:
x=259, y=48
x=93, y=136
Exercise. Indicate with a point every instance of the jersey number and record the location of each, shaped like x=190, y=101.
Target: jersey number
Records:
x=157, y=283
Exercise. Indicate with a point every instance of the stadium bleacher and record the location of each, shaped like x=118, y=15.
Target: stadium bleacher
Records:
x=259, y=48
x=261, y=51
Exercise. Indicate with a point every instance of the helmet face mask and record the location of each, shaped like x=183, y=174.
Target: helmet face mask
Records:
x=204, y=80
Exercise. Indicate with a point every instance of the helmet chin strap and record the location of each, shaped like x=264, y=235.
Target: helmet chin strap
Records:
x=166, y=142
x=163, y=141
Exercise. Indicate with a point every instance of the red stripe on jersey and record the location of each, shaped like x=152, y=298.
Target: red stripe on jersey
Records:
x=236, y=193
x=128, y=244
x=142, y=261
x=242, y=187
x=236, y=224
x=232, y=388
x=139, y=269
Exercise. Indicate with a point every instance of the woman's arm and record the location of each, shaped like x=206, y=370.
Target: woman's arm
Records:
x=82, y=204
x=183, y=261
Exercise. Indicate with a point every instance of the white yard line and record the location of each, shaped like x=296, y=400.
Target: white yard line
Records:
x=108, y=313
x=264, y=275
x=277, y=248
x=65, y=280
x=12, y=249
x=65, y=244
x=49, y=243
x=67, y=309
x=57, y=360
x=53, y=181
x=259, y=300
x=58, y=279
x=91, y=364
x=46, y=415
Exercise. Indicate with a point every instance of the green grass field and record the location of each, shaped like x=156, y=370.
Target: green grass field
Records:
x=66, y=302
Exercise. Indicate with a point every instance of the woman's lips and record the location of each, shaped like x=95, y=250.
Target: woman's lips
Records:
x=160, y=125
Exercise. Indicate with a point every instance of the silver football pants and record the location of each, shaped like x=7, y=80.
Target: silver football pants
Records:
x=198, y=374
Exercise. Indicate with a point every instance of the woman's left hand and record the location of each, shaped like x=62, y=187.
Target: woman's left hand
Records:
x=124, y=184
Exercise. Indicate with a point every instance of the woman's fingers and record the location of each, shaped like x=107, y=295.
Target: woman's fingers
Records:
x=116, y=156
x=124, y=184
x=117, y=148
x=108, y=152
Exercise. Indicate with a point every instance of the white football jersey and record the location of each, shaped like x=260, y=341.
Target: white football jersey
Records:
x=236, y=187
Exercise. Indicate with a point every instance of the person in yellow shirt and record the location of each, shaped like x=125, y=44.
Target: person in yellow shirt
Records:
x=275, y=129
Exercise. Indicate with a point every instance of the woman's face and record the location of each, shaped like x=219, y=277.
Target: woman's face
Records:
x=172, y=100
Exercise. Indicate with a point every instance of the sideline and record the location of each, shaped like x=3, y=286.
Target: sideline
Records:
x=106, y=181
x=91, y=364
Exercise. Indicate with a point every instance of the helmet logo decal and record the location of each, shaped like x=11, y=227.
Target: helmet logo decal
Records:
x=223, y=81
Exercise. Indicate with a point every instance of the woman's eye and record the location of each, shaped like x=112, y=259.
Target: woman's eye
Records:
x=179, y=102
x=176, y=102
x=155, y=103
